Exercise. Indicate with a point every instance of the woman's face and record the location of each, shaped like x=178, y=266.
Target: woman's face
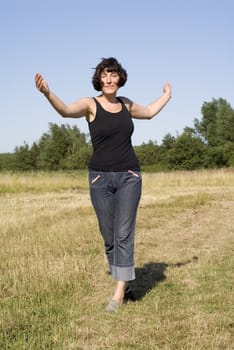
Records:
x=109, y=82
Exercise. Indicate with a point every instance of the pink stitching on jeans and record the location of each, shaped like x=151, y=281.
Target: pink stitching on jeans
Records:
x=133, y=173
x=95, y=179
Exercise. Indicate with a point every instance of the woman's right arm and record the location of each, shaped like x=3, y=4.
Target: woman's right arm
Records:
x=80, y=108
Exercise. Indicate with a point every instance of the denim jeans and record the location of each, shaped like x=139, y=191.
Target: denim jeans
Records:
x=115, y=197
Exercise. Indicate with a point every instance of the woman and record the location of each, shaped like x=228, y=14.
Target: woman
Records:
x=114, y=171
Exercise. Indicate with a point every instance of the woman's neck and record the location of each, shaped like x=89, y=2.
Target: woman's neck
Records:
x=109, y=98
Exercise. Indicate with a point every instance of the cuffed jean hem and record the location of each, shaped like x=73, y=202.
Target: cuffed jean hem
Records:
x=120, y=273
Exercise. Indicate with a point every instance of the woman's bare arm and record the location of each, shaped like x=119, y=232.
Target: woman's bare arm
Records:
x=80, y=108
x=152, y=109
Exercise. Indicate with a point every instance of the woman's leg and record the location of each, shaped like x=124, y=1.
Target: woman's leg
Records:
x=102, y=198
x=126, y=200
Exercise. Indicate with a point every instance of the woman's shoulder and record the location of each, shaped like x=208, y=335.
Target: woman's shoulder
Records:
x=89, y=102
x=89, y=106
x=126, y=101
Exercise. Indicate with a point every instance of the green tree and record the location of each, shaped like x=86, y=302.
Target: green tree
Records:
x=53, y=147
x=148, y=153
x=63, y=147
x=79, y=150
x=217, y=130
x=168, y=144
x=7, y=161
x=25, y=159
x=188, y=152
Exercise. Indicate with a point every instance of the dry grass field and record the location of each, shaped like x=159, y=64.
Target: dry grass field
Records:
x=53, y=279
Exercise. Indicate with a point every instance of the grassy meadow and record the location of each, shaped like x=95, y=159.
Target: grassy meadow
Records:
x=54, y=283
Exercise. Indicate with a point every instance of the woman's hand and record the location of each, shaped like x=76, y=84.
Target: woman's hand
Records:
x=41, y=84
x=167, y=89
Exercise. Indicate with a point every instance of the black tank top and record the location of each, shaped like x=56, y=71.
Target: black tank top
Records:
x=111, y=139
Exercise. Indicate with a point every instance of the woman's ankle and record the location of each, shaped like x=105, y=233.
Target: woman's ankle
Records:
x=120, y=291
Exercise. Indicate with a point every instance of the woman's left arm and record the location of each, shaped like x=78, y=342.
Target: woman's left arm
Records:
x=149, y=111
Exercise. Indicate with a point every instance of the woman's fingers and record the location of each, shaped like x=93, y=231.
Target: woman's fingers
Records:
x=41, y=84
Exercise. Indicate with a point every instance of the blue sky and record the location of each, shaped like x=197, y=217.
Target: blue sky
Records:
x=186, y=42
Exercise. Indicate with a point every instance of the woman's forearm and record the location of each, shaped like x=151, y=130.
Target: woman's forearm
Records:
x=56, y=103
x=156, y=106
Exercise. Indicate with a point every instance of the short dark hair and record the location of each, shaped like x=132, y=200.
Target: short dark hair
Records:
x=112, y=65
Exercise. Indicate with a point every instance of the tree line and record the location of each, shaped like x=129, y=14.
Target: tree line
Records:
x=208, y=144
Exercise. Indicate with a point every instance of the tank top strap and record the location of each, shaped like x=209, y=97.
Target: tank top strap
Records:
x=123, y=104
x=96, y=102
x=119, y=99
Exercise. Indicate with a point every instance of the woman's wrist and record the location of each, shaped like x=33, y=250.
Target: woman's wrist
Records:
x=46, y=92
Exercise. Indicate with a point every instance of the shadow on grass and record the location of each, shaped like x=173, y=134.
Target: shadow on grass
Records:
x=151, y=274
